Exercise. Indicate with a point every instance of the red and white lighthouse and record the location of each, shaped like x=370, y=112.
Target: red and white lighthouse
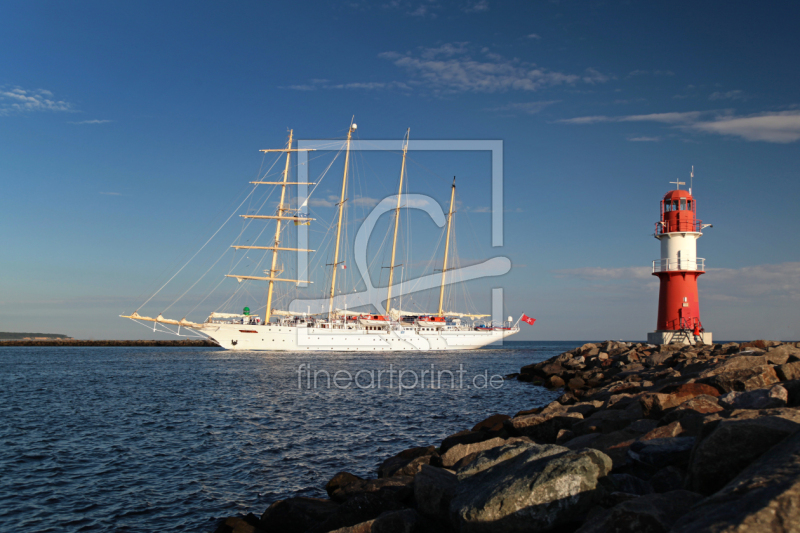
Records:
x=678, y=270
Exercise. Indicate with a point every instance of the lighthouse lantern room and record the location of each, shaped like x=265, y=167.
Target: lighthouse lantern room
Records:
x=678, y=270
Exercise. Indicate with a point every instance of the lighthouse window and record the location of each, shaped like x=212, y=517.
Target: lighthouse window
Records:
x=683, y=204
x=674, y=205
x=689, y=205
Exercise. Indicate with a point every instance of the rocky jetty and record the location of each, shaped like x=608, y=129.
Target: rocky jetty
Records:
x=644, y=438
x=184, y=343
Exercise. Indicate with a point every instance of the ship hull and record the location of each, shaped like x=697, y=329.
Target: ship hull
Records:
x=275, y=337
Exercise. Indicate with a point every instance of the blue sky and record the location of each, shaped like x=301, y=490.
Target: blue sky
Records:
x=128, y=132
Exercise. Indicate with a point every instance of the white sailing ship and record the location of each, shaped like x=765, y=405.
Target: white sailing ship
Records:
x=338, y=330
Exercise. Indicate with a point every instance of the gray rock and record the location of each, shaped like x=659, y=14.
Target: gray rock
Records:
x=626, y=483
x=605, y=421
x=459, y=451
x=541, y=488
x=654, y=513
x=339, y=480
x=775, y=396
x=668, y=479
x=789, y=371
x=659, y=453
x=643, y=425
x=361, y=508
x=463, y=437
x=486, y=459
x=542, y=427
x=405, y=521
x=296, y=515
x=745, y=379
x=765, y=497
x=395, y=487
x=433, y=489
x=735, y=443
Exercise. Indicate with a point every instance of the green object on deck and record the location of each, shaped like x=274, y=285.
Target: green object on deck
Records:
x=246, y=311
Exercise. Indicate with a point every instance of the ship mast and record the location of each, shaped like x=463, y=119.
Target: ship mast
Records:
x=396, y=224
x=447, y=246
x=278, y=218
x=339, y=225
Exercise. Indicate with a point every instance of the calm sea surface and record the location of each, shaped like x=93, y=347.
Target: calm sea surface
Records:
x=143, y=439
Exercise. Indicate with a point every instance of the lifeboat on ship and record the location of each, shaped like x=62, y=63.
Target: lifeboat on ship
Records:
x=374, y=320
x=431, y=321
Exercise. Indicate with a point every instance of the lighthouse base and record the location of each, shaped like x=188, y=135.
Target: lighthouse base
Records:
x=666, y=336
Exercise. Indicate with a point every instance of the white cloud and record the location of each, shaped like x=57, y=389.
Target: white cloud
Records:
x=477, y=6
x=368, y=86
x=534, y=36
x=776, y=127
x=450, y=68
x=650, y=73
x=15, y=100
x=95, y=121
x=782, y=127
x=644, y=139
x=730, y=95
x=530, y=108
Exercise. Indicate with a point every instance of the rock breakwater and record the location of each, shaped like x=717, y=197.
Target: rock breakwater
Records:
x=185, y=343
x=644, y=438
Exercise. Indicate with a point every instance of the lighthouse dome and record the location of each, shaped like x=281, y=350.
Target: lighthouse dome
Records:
x=678, y=212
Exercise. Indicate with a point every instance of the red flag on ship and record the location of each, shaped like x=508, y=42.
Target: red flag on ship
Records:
x=528, y=320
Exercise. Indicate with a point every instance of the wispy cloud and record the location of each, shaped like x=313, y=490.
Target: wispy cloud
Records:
x=730, y=95
x=15, y=100
x=755, y=283
x=782, y=127
x=452, y=68
x=95, y=121
x=314, y=85
x=529, y=108
x=477, y=6
x=644, y=139
x=534, y=36
x=776, y=127
x=650, y=73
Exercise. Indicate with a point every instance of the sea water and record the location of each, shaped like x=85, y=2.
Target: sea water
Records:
x=144, y=439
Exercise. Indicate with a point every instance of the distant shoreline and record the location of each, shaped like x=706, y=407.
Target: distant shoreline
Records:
x=192, y=343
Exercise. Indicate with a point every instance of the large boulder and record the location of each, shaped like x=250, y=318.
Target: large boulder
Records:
x=789, y=371
x=391, y=465
x=765, y=497
x=433, y=490
x=486, y=459
x=745, y=379
x=734, y=443
x=775, y=396
x=459, y=451
x=340, y=480
x=396, y=487
x=536, y=490
x=405, y=521
x=654, y=405
x=358, y=509
x=491, y=424
x=653, y=513
x=463, y=437
x=542, y=427
x=659, y=453
x=296, y=515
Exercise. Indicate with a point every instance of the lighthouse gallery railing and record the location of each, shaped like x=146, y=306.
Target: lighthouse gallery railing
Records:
x=665, y=265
